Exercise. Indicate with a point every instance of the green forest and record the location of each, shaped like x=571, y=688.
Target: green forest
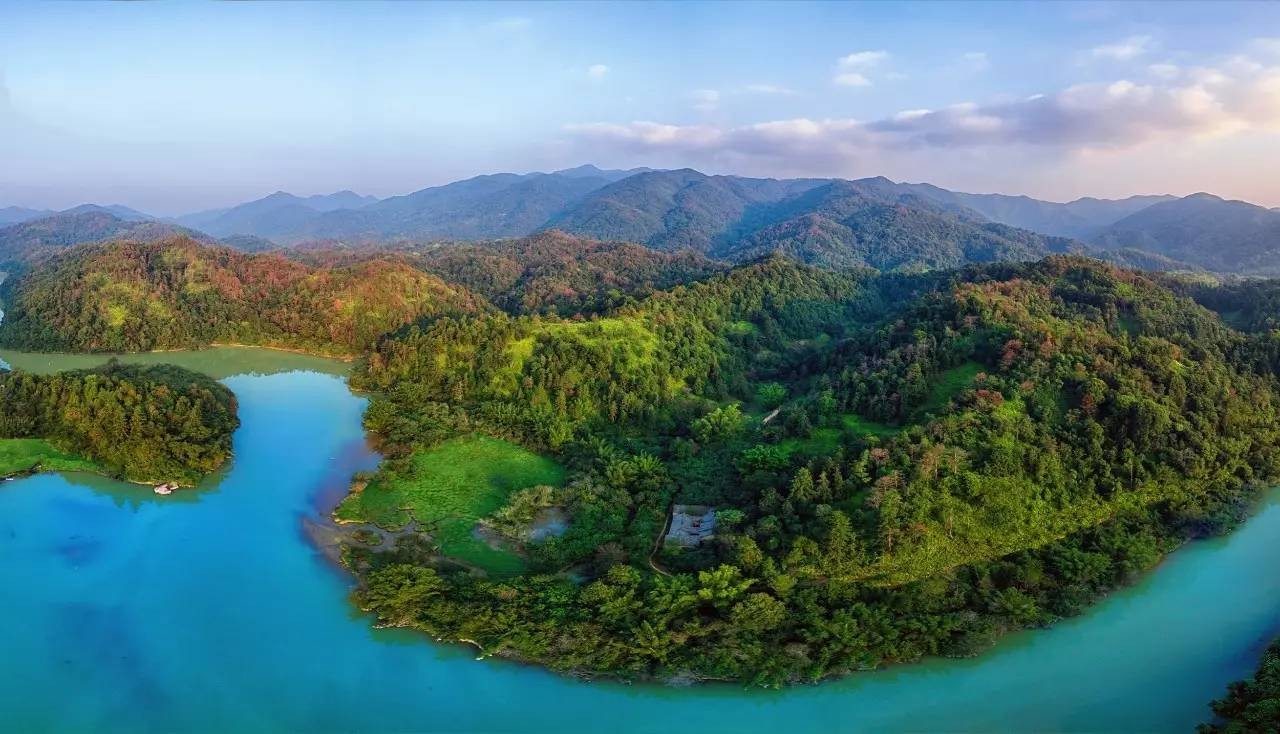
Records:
x=144, y=424
x=179, y=294
x=954, y=456
x=898, y=464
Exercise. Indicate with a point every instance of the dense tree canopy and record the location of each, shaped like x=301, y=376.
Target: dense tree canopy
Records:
x=953, y=456
x=152, y=424
x=127, y=297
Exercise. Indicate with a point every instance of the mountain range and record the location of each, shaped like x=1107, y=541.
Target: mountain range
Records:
x=871, y=222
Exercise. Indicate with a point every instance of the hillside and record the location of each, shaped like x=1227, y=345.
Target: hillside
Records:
x=844, y=223
x=177, y=293
x=555, y=271
x=1205, y=230
x=41, y=237
x=954, y=455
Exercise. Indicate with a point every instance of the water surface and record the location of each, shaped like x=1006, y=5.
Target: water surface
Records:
x=210, y=611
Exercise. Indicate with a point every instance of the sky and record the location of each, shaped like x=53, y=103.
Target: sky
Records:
x=175, y=107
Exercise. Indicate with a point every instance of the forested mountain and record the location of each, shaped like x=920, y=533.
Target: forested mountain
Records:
x=1220, y=235
x=846, y=223
x=129, y=296
x=41, y=237
x=674, y=210
x=872, y=222
x=955, y=454
x=555, y=271
x=151, y=424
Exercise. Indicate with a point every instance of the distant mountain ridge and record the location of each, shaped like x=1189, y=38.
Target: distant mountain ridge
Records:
x=1079, y=219
x=872, y=222
x=272, y=215
x=1215, y=233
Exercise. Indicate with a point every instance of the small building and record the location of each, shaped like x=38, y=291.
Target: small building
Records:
x=691, y=525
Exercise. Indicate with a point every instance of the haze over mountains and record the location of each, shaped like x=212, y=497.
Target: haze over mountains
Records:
x=871, y=222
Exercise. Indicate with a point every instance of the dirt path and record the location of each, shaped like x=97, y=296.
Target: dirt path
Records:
x=657, y=543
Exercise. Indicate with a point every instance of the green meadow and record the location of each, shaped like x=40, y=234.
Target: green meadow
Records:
x=448, y=488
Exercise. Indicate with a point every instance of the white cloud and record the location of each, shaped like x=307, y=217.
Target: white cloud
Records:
x=1235, y=97
x=1164, y=71
x=644, y=135
x=1129, y=48
x=862, y=59
x=596, y=72
x=851, y=79
x=768, y=89
x=705, y=100
x=851, y=70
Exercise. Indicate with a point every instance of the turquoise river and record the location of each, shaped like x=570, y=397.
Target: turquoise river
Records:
x=213, y=611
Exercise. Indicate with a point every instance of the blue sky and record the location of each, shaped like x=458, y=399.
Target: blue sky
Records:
x=173, y=107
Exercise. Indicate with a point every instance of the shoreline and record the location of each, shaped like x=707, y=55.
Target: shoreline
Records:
x=1252, y=507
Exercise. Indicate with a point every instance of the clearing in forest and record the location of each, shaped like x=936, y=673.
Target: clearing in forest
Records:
x=448, y=488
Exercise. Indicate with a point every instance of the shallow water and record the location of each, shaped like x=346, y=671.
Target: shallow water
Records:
x=209, y=610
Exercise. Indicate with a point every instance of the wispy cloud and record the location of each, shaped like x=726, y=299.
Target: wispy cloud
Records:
x=597, y=72
x=862, y=59
x=852, y=70
x=1237, y=96
x=851, y=79
x=1124, y=50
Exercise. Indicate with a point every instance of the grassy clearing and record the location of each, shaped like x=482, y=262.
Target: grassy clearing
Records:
x=821, y=442
x=949, y=384
x=824, y=441
x=19, y=455
x=449, y=488
x=861, y=426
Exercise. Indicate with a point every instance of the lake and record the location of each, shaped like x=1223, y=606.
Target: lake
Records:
x=211, y=611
